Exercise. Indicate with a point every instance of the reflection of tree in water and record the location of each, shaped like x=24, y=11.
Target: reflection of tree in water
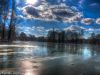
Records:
x=88, y=50
x=8, y=59
x=95, y=49
x=75, y=49
x=55, y=48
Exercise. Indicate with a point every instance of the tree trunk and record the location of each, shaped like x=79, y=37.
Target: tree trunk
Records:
x=11, y=26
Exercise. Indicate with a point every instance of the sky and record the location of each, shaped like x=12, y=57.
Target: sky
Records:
x=37, y=17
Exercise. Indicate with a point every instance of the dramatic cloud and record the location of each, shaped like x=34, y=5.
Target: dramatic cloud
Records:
x=53, y=13
x=98, y=21
x=60, y=12
x=87, y=21
x=30, y=11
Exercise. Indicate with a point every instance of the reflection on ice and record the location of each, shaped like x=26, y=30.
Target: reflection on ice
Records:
x=28, y=73
x=27, y=67
x=86, y=53
x=31, y=58
x=26, y=46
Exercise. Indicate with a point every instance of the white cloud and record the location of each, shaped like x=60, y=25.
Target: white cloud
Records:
x=75, y=18
x=98, y=21
x=74, y=28
x=87, y=21
x=37, y=31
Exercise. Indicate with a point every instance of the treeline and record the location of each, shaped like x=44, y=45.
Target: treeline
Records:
x=72, y=37
x=94, y=39
x=61, y=37
x=64, y=37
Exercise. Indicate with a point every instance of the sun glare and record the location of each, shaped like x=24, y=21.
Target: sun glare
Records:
x=31, y=1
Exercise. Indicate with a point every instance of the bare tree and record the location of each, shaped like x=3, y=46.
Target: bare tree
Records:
x=4, y=8
x=11, y=31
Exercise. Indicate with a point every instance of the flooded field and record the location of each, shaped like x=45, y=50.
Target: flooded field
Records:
x=37, y=58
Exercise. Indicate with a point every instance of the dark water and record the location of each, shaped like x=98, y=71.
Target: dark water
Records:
x=35, y=58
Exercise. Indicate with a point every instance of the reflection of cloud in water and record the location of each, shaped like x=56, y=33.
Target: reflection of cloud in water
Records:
x=86, y=53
